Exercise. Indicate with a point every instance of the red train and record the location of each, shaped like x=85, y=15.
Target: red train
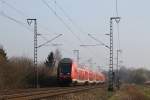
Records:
x=69, y=73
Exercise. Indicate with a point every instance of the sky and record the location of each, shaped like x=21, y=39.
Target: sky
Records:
x=87, y=17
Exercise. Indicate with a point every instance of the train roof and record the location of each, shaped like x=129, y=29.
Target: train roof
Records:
x=66, y=60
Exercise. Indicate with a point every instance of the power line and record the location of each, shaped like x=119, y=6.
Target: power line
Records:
x=65, y=24
x=118, y=50
x=23, y=15
x=21, y=24
x=12, y=7
x=54, y=12
x=19, y=12
x=15, y=20
x=117, y=8
x=69, y=18
x=49, y=41
x=99, y=41
x=63, y=20
x=118, y=31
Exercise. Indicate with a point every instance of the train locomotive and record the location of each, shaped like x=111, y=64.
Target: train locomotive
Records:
x=69, y=72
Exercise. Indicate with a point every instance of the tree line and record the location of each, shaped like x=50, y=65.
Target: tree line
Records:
x=19, y=72
x=134, y=76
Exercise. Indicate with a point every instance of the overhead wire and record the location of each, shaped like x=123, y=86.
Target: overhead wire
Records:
x=69, y=28
x=118, y=31
x=12, y=7
x=21, y=24
x=117, y=8
x=55, y=13
x=22, y=14
x=118, y=49
x=69, y=18
x=118, y=28
x=15, y=20
x=65, y=24
x=24, y=25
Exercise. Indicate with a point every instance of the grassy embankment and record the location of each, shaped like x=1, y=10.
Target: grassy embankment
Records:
x=127, y=92
x=132, y=92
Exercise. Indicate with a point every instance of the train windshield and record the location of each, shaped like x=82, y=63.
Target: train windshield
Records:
x=65, y=67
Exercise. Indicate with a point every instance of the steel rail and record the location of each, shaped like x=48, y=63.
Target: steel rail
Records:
x=44, y=93
x=15, y=91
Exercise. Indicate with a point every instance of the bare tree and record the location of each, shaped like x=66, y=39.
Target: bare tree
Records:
x=57, y=56
x=50, y=60
x=3, y=55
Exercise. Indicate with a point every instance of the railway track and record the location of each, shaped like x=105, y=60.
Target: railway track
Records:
x=34, y=94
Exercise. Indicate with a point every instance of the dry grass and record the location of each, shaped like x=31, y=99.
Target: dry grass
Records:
x=130, y=92
x=16, y=73
x=145, y=89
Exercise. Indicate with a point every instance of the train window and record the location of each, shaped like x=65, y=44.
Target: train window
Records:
x=65, y=68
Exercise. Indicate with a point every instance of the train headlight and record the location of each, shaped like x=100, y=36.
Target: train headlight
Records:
x=68, y=73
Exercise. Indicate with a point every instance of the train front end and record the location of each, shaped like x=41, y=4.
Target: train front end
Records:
x=64, y=71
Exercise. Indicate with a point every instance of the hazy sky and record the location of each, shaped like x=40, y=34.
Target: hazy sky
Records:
x=91, y=16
